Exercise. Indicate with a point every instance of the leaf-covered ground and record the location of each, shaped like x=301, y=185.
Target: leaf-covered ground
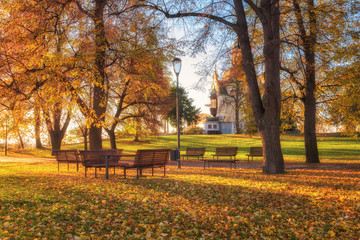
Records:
x=38, y=202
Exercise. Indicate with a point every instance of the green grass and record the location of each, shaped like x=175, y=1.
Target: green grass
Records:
x=38, y=202
x=331, y=149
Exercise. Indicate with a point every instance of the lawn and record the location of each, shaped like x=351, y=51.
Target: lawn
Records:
x=331, y=149
x=38, y=202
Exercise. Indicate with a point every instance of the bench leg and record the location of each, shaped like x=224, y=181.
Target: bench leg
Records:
x=137, y=173
x=58, y=166
x=124, y=172
x=95, y=172
x=68, y=166
x=85, y=171
x=164, y=170
x=152, y=171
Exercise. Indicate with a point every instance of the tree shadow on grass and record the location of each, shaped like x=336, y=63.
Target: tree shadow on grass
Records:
x=330, y=179
x=256, y=202
x=211, y=202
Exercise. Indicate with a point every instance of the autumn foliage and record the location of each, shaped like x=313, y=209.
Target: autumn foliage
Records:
x=37, y=202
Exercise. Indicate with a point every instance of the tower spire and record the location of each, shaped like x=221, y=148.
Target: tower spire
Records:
x=215, y=82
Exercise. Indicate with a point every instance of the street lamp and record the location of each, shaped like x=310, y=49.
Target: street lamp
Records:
x=177, y=68
x=6, y=137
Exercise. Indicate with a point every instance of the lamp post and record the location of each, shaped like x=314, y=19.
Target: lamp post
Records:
x=177, y=68
x=6, y=136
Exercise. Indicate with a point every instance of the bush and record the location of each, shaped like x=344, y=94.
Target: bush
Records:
x=194, y=130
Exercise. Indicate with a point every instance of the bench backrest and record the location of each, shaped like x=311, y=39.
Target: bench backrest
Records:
x=256, y=151
x=150, y=157
x=93, y=156
x=195, y=151
x=71, y=156
x=226, y=151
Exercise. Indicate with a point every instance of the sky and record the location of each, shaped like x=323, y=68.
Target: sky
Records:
x=188, y=78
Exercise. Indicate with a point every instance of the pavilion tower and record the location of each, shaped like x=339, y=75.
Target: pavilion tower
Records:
x=214, y=94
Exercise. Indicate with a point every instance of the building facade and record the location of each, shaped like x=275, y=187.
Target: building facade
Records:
x=226, y=96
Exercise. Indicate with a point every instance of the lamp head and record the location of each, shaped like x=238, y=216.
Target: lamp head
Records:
x=177, y=65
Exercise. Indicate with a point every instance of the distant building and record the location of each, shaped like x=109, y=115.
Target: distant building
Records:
x=222, y=100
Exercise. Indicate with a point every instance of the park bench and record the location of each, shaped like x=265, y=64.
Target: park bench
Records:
x=194, y=152
x=97, y=159
x=220, y=154
x=225, y=152
x=147, y=158
x=254, y=152
x=67, y=156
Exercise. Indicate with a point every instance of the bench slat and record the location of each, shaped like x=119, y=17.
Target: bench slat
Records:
x=149, y=158
x=225, y=152
x=194, y=152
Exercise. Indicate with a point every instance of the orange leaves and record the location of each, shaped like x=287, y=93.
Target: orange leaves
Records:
x=36, y=201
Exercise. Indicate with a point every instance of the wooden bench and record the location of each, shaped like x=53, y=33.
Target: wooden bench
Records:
x=96, y=159
x=147, y=158
x=67, y=156
x=225, y=152
x=222, y=152
x=194, y=152
x=254, y=152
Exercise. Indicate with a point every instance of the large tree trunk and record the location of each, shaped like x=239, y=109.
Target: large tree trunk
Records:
x=267, y=110
x=99, y=97
x=95, y=137
x=312, y=153
x=56, y=140
x=308, y=43
x=273, y=161
x=55, y=130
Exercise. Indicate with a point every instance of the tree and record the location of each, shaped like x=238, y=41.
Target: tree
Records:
x=233, y=86
x=312, y=35
x=307, y=32
x=56, y=127
x=232, y=14
x=138, y=83
x=113, y=41
x=29, y=32
x=345, y=112
x=95, y=12
x=187, y=111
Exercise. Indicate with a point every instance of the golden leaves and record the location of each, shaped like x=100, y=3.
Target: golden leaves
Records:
x=36, y=201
